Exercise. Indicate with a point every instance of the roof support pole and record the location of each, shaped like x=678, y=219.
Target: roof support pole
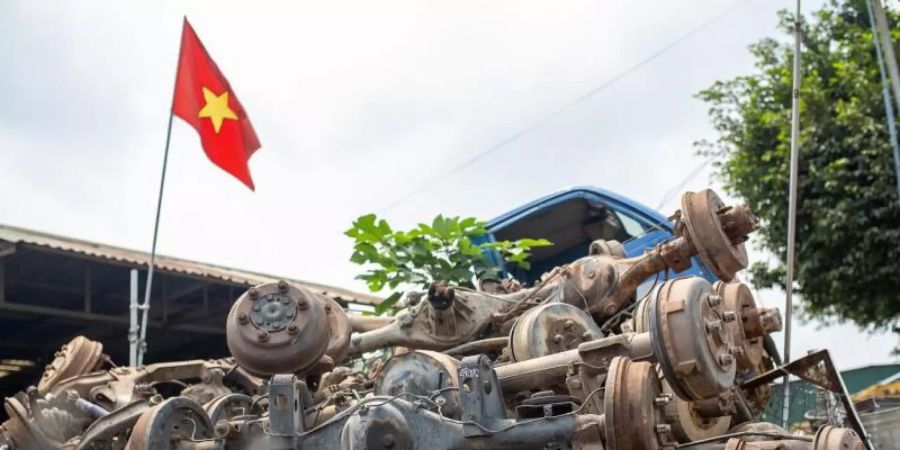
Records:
x=133, y=327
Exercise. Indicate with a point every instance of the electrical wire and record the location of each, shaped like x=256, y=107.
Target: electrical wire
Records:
x=434, y=180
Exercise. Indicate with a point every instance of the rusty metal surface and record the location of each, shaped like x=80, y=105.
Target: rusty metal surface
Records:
x=748, y=330
x=77, y=357
x=717, y=231
x=551, y=328
x=633, y=408
x=687, y=422
x=817, y=368
x=278, y=328
x=423, y=373
x=692, y=338
x=674, y=369
x=834, y=438
x=173, y=421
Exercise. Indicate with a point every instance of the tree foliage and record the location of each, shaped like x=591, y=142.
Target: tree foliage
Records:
x=450, y=249
x=848, y=223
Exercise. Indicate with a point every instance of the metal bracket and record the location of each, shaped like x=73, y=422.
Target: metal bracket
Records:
x=285, y=411
x=818, y=369
x=480, y=395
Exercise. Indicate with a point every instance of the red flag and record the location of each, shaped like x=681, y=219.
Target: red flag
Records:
x=205, y=100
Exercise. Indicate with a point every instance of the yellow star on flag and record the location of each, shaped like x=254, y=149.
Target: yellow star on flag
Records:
x=216, y=109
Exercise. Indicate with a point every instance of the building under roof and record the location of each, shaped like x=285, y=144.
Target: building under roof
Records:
x=53, y=288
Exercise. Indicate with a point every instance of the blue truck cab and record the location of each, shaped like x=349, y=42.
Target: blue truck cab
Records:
x=573, y=218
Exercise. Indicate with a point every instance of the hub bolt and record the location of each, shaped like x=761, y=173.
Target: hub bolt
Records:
x=726, y=359
x=302, y=303
x=282, y=286
x=252, y=293
x=662, y=400
x=292, y=328
x=242, y=318
x=262, y=335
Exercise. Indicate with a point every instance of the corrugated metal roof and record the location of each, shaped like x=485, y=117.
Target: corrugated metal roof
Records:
x=17, y=235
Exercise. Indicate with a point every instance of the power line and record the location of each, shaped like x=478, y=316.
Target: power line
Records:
x=678, y=187
x=578, y=100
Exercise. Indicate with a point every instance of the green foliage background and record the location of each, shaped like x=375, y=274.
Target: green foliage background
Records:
x=848, y=235
x=444, y=250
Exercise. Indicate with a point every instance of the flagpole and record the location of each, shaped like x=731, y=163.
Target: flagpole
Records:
x=145, y=307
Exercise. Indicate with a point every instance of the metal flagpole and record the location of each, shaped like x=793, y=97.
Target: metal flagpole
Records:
x=878, y=18
x=145, y=307
x=792, y=214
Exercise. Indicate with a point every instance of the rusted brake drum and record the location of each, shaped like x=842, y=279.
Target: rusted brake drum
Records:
x=747, y=331
x=691, y=338
x=831, y=437
x=688, y=422
x=77, y=357
x=551, y=328
x=423, y=373
x=281, y=328
x=633, y=407
x=163, y=426
x=227, y=406
x=717, y=231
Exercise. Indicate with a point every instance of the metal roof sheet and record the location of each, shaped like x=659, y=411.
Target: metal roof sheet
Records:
x=171, y=264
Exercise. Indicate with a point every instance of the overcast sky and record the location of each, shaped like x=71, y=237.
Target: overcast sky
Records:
x=356, y=105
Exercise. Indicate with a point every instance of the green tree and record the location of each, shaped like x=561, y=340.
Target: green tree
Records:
x=446, y=250
x=848, y=223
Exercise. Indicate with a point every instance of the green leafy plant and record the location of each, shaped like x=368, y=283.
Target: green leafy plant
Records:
x=848, y=216
x=445, y=250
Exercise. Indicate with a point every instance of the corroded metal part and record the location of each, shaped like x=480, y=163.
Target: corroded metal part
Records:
x=178, y=419
x=632, y=404
x=116, y=425
x=385, y=427
x=77, y=357
x=717, y=231
x=691, y=338
x=834, y=438
x=423, y=373
x=278, y=328
x=747, y=330
x=602, y=283
x=551, y=328
x=640, y=322
x=605, y=247
x=687, y=422
x=339, y=344
x=226, y=407
x=22, y=430
x=362, y=324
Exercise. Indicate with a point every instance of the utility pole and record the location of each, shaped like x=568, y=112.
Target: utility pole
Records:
x=890, y=60
x=792, y=215
x=887, y=45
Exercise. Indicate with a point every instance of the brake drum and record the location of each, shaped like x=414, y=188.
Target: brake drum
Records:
x=691, y=339
x=551, y=328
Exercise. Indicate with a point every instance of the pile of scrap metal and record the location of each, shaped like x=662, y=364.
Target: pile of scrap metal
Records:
x=580, y=360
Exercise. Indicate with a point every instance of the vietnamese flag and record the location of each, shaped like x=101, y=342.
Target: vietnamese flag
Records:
x=205, y=100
